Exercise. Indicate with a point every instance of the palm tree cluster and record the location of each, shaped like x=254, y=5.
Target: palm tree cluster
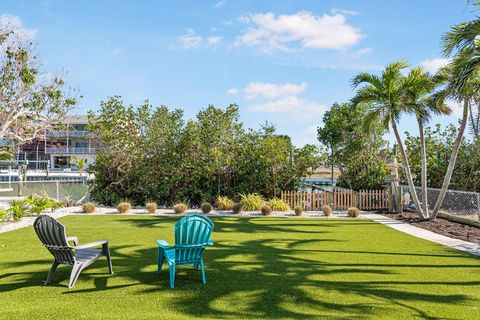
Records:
x=393, y=94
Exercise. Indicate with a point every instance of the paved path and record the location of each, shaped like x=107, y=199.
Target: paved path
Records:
x=465, y=246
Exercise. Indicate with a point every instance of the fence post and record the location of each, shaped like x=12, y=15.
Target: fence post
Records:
x=58, y=193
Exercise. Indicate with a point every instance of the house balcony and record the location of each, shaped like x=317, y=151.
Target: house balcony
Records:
x=67, y=133
x=71, y=150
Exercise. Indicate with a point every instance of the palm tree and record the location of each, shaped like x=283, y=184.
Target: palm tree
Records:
x=421, y=98
x=468, y=93
x=386, y=97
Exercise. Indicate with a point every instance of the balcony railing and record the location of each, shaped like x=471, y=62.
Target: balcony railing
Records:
x=66, y=133
x=71, y=150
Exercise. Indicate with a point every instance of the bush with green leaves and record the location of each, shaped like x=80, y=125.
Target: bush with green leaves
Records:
x=18, y=209
x=180, y=208
x=206, y=207
x=278, y=205
x=3, y=214
x=223, y=203
x=251, y=201
x=38, y=204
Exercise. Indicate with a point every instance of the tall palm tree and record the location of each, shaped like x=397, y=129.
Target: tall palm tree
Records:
x=467, y=94
x=386, y=97
x=421, y=98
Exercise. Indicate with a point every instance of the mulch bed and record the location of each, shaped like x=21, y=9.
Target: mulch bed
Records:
x=441, y=226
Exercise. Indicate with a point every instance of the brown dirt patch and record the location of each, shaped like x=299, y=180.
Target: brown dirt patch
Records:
x=441, y=226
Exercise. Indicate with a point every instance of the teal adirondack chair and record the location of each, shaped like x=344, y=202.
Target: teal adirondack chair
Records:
x=192, y=236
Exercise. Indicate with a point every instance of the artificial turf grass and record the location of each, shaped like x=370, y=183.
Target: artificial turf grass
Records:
x=269, y=268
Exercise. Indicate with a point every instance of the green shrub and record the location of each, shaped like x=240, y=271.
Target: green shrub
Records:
x=180, y=208
x=88, y=207
x=223, y=203
x=38, y=204
x=3, y=214
x=266, y=210
x=298, y=211
x=327, y=210
x=18, y=209
x=353, y=212
x=124, y=207
x=251, y=201
x=237, y=208
x=206, y=207
x=151, y=207
x=278, y=205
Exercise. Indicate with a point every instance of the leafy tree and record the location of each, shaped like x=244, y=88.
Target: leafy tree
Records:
x=358, y=152
x=30, y=102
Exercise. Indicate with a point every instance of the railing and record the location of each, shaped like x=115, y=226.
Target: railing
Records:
x=337, y=199
x=71, y=150
x=67, y=133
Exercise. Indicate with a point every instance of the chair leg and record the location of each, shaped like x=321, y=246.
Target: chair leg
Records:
x=106, y=252
x=172, y=276
x=51, y=272
x=161, y=257
x=76, y=270
x=204, y=279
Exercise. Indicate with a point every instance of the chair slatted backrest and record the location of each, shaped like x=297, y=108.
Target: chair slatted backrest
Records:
x=53, y=236
x=192, y=234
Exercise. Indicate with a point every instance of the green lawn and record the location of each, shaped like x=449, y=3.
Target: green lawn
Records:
x=265, y=268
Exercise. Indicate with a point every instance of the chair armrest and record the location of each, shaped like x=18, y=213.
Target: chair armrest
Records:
x=92, y=244
x=73, y=239
x=210, y=242
x=164, y=244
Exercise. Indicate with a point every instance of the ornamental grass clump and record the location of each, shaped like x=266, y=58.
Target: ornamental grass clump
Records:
x=151, y=207
x=278, y=205
x=298, y=211
x=327, y=210
x=224, y=203
x=206, y=207
x=88, y=207
x=353, y=212
x=237, y=208
x=180, y=208
x=18, y=209
x=266, y=210
x=124, y=207
x=251, y=201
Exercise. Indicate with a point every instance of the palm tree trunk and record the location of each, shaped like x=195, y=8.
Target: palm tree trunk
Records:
x=406, y=167
x=423, y=154
x=453, y=159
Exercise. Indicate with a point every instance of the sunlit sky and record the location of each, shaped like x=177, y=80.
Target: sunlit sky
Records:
x=284, y=62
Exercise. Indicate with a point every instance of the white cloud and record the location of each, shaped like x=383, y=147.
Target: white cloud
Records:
x=433, y=65
x=344, y=12
x=233, y=91
x=190, y=40
x=272, y=90
x=220, y=3
x=214, y=39
x=303, y=29
x=360, y=52
x=14, y=22
x=290, y=104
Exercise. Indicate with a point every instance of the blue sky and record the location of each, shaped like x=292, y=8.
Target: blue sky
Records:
x=284, y=62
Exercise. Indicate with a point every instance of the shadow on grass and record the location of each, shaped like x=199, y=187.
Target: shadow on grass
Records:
x=270, y=278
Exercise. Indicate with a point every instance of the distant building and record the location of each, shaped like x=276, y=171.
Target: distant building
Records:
x=58, y=147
